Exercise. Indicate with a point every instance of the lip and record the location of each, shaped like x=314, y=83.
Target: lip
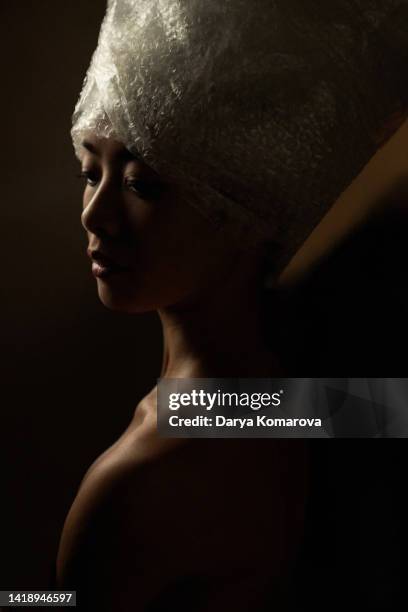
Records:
x=103, y=271
x=102, y=264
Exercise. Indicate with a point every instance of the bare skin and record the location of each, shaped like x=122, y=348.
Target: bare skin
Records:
x=175, y=524
x=154, y=518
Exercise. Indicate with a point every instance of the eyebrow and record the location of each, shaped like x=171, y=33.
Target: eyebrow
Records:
x=124, y=154
x=89, y=147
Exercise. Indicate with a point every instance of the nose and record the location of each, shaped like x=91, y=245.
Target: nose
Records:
x=101, y=215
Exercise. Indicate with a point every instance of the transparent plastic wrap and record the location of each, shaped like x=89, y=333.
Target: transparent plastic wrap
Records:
x=263, y=111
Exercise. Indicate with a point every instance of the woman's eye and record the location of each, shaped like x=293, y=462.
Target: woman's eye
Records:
x=143, y=189
x=90, y=177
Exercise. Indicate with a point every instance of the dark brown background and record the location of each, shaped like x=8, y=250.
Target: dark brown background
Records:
x=72, y=372
x=64, y=356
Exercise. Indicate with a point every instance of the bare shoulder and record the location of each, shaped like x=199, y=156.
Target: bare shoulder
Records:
x=151, y=510
x=103, y=541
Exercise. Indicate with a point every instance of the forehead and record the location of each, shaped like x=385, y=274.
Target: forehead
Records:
x=108, y=149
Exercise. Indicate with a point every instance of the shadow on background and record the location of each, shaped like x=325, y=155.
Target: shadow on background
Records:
x=348, y=317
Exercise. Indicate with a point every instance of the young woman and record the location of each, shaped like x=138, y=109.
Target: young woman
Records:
x=212, y=138
x=211, y=522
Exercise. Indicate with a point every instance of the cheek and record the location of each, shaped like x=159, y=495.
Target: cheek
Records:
x=176, y=252
x=170, y=269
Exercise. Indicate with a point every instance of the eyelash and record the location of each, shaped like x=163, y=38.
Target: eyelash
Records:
x=141, y=188
x=132, y=185
x=85, y=174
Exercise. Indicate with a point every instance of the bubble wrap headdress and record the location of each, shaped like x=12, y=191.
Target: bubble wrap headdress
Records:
x=263, y=110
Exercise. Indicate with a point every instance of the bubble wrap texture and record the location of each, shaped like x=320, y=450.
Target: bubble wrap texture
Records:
x=263, y=110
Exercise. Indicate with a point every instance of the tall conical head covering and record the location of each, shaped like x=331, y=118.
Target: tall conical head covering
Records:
x=264, y=111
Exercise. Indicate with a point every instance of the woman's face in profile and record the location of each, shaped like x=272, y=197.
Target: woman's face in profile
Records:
x=149, y=248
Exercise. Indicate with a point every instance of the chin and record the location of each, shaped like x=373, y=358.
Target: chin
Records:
x=137, y=298
x=120, y=301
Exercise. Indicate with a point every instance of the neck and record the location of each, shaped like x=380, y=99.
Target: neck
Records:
x=219, y=335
